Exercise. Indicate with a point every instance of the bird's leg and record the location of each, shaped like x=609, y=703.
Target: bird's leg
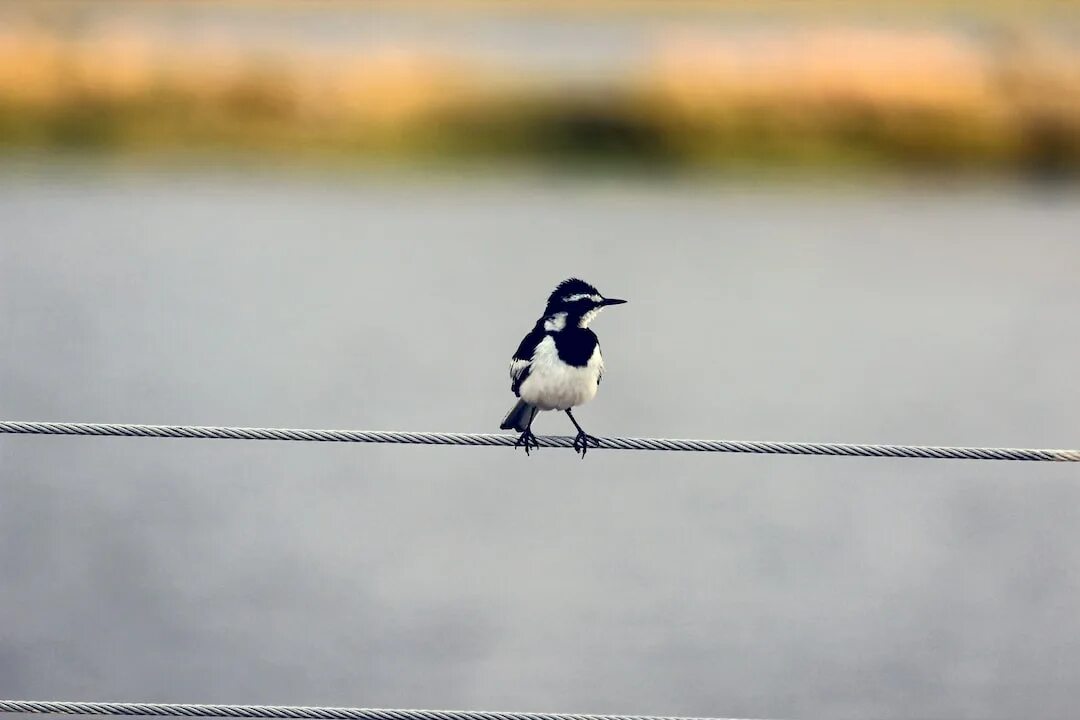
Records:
x=581, y=442
x=527, y=439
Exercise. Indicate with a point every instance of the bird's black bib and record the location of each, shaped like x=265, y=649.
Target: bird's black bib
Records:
x=575, y=345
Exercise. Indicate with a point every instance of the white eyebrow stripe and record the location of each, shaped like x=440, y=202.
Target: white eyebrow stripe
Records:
x=582, y=296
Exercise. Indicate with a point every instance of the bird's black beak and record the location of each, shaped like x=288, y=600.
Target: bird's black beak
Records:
x=611, y=301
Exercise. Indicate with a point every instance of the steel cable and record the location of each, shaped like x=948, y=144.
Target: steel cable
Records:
x=285, y=711
x=493, y=440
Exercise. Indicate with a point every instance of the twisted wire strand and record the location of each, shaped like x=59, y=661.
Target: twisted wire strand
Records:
x=286, y=711
x=491, y=440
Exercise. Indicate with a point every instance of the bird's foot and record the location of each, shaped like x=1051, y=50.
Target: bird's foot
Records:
x=527, y=440
x=583, y=441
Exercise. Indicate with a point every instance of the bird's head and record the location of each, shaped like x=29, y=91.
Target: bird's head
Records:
x=575, y=303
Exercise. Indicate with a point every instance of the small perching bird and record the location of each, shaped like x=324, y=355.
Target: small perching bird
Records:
x=558, y=365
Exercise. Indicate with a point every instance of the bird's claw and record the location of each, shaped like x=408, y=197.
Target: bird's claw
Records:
x=527, y=440
x=582, y=442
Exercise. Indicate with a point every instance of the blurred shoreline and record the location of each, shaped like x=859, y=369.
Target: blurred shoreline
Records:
x=839, y=96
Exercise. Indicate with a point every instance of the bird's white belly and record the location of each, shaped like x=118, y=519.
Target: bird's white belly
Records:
x=554, y=385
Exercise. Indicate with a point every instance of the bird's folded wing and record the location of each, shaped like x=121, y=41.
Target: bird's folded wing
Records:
x=519, y=370
x=521, y=363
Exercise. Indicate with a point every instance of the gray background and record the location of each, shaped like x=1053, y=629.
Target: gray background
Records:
x=208, y=571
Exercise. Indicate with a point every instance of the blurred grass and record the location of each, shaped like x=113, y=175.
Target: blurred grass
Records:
x=821, y=96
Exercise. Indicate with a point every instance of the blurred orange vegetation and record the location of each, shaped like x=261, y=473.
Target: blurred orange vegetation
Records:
x=926, y=95
x=43, y=71
x=823, y=95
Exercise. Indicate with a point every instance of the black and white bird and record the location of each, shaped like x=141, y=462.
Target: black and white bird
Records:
x=558, y=365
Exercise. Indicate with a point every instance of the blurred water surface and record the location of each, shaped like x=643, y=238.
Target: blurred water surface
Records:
x=468, y=578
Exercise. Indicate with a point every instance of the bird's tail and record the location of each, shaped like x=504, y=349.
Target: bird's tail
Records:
x=520, y=416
